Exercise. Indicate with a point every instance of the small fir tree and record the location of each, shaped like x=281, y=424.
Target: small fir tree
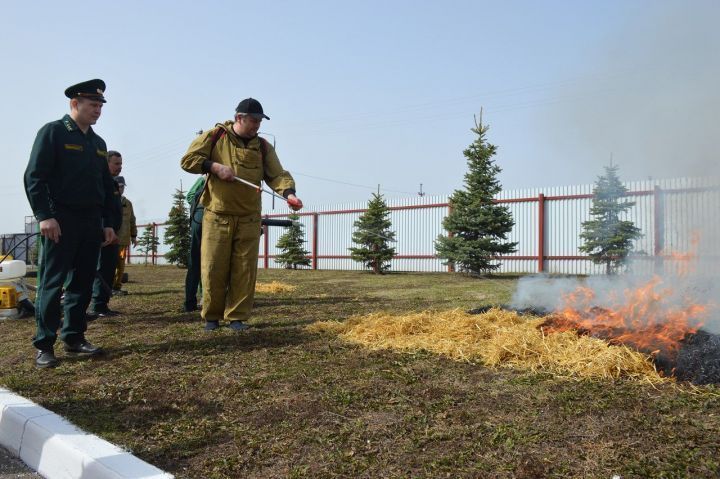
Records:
x=177, y=233
x=477, y=226
x=148, y=242
x=373, y=236
x=608, y=239
x=291, y=243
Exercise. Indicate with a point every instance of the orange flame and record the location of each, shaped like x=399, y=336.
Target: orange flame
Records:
x=644, y=318
x=686, y=263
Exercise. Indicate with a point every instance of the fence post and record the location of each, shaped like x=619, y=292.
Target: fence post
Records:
x=315, y=241
x=541, y=233
x=450, y=265
x=266, y=246
x=658, y=229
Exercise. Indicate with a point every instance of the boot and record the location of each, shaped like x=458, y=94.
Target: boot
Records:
x=46, y=359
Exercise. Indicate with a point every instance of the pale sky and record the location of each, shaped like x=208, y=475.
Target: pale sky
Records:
x=375, y=92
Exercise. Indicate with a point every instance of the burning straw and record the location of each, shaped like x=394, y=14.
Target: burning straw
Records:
x=496, y=338
x=274, y=287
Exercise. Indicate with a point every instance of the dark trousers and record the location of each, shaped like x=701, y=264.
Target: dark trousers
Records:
x=102, y=287
x=192, y=277
x=72, y=262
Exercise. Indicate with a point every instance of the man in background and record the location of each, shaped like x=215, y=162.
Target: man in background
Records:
x=192, y=277
x=126, y=235
x=107, y=260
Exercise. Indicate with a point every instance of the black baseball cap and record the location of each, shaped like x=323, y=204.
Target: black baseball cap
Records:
x=252, y=107
x=91, y=89
x=120, y=180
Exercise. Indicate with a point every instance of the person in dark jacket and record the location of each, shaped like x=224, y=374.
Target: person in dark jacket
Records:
x=70, y=190
x=107, y=261
x=192, y=277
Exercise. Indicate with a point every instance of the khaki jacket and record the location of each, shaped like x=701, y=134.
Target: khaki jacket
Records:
x=128, y=229
x=236, y=198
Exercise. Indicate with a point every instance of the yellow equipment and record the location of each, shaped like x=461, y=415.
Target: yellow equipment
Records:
x=8, y=297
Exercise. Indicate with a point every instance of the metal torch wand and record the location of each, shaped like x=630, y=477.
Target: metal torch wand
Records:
x=259, y=188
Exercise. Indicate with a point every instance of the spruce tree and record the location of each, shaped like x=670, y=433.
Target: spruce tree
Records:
x=148, y=242
x=608, y=239
x=373, y=236
x=291, y=243
x=477, y=226
x=177, y=233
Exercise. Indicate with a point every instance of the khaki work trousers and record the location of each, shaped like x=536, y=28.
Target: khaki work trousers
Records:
x=228, y=264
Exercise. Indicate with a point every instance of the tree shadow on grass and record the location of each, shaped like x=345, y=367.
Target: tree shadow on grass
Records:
x=269, y=302
x=217, y=342
x=105, y=417
x=280, y=322
x=154, y=292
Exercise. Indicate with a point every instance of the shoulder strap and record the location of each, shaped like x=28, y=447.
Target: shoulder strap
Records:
x=219, y=133
x=263, y=148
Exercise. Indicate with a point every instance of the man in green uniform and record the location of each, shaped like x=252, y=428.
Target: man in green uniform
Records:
x=126, y=235
x=192, y=277
x=70, y=191
x=231, y=222
x=107, y=261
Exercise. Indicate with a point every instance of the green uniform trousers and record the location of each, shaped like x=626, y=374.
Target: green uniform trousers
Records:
x=102, y=287
x=192, y=277
x=72, y=262
x=228, y=265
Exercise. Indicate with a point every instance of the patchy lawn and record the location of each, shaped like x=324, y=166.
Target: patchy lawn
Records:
x=278, y=401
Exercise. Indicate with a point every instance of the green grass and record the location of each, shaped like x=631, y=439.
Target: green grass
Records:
x=277, y=401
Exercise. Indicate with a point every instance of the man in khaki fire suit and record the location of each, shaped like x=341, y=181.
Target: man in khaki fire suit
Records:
x=126, y=235
x=231, y=224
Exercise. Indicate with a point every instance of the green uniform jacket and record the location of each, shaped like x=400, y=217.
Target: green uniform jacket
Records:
x=128, y=229
x=195, y=190
x=68, y=168
x=246, y=160
x=117, y=209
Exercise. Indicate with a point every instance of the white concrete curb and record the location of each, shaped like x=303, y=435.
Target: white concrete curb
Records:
x=57, y=449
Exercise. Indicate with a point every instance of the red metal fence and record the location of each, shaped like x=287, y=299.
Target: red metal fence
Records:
x=532, y=231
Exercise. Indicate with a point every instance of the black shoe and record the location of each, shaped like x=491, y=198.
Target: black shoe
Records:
x=26, y=309
x=190, y=308
x=212, y=325
x=91, y=316
x=105, y=312
x=46, y=359
x=238, y=326
x=83, y=347
x=119, y=292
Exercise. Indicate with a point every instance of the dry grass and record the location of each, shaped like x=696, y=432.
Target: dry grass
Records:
x=277, y=401
x=274, y=287
x=496, y=338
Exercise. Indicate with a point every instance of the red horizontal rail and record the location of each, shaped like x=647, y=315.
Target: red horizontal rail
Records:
x=540, y=257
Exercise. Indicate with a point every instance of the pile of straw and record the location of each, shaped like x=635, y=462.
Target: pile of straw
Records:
x=495, y=338
x=274, y=287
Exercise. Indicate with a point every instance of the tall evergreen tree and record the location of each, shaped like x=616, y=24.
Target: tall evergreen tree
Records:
x=148, y=242
x=177, y=233
x=291, y=243
x=373, y=236
x=608, y=239
x=477, y=226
